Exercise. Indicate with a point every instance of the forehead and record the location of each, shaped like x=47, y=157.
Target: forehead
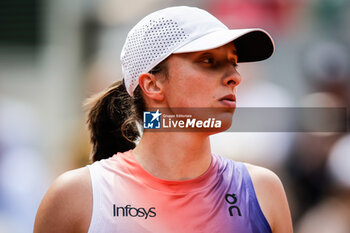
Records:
x=227, y=49
x=227, y=52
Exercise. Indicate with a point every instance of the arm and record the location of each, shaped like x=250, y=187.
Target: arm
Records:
x=67, y=206
x=272, y=199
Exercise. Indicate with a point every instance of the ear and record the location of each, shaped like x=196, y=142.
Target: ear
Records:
x=151, y=87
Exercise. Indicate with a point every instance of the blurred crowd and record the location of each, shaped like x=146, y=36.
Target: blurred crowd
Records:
x=54, y=54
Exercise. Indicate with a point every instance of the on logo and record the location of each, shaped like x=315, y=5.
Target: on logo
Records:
x=151, y=120
x=232, y=199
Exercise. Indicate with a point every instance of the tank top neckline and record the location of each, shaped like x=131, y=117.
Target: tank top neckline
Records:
x=171, y=186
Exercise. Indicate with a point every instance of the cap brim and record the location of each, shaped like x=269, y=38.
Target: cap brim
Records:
x=252, y=44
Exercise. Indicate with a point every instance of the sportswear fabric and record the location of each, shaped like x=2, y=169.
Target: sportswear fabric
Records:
x=128, y=199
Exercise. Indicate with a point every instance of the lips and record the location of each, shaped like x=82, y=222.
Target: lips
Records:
x=229, y=97
x=228, y=100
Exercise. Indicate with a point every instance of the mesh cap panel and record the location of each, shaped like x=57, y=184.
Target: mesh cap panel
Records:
x=146, y=45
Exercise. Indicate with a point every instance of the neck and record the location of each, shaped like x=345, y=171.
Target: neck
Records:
x=174, y=155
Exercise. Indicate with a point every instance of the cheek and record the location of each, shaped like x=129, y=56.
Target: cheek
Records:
x=192, y=92
x=188, y=86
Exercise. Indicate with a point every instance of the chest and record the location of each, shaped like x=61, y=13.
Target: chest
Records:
x=142, y=209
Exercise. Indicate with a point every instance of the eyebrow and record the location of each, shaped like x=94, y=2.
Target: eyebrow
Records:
x=206, y=53
x=234, y=52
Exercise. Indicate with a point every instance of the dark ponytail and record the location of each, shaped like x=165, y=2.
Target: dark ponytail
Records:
x=113, y=117
x=112, y=120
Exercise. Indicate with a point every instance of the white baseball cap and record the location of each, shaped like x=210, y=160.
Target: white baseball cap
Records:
x=185, y=29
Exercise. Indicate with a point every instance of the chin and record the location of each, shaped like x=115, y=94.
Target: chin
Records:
x=226, y=121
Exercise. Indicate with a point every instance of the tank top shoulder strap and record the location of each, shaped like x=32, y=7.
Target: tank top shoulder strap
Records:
x=257, y=217
x=95, y=170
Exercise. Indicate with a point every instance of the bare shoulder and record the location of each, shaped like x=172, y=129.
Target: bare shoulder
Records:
x=67, y=205
x=272, y=198
x=265, y=180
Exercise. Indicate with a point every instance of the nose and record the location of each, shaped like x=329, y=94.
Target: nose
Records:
x=232, y=78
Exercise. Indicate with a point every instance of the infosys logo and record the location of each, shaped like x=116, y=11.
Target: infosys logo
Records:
x=129, y=211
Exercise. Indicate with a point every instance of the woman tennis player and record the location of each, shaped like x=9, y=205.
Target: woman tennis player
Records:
x=178, y=57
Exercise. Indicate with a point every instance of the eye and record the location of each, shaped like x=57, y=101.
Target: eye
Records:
x=234, y=64
x=208, y=60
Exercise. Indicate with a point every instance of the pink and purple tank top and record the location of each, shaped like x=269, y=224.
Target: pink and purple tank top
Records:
x=128, y=199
